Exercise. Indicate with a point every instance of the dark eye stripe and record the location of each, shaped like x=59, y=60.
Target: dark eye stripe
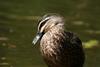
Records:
x=43, y=23
x=45, y=16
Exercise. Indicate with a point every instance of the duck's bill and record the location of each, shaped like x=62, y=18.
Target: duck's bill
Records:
x=37, y=38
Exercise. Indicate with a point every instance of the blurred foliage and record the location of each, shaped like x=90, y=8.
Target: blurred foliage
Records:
x=91, y=44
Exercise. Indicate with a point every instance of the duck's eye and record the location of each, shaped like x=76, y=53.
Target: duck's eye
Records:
x=42, y=23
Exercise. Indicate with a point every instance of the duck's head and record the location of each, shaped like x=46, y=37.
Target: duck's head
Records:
x=47, y=22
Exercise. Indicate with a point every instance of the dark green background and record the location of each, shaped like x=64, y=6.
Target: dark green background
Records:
x=18, y=25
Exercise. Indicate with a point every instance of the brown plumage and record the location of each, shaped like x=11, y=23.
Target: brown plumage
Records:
x=59, y=48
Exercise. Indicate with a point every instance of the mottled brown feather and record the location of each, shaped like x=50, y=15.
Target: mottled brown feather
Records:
x=61, y=49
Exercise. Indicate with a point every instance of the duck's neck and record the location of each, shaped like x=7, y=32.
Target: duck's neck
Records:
x=57, y=29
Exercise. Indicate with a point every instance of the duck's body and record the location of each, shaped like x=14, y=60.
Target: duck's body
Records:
x=60, y=48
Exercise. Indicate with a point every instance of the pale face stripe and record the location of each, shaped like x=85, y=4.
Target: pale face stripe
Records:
x=42, y=23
